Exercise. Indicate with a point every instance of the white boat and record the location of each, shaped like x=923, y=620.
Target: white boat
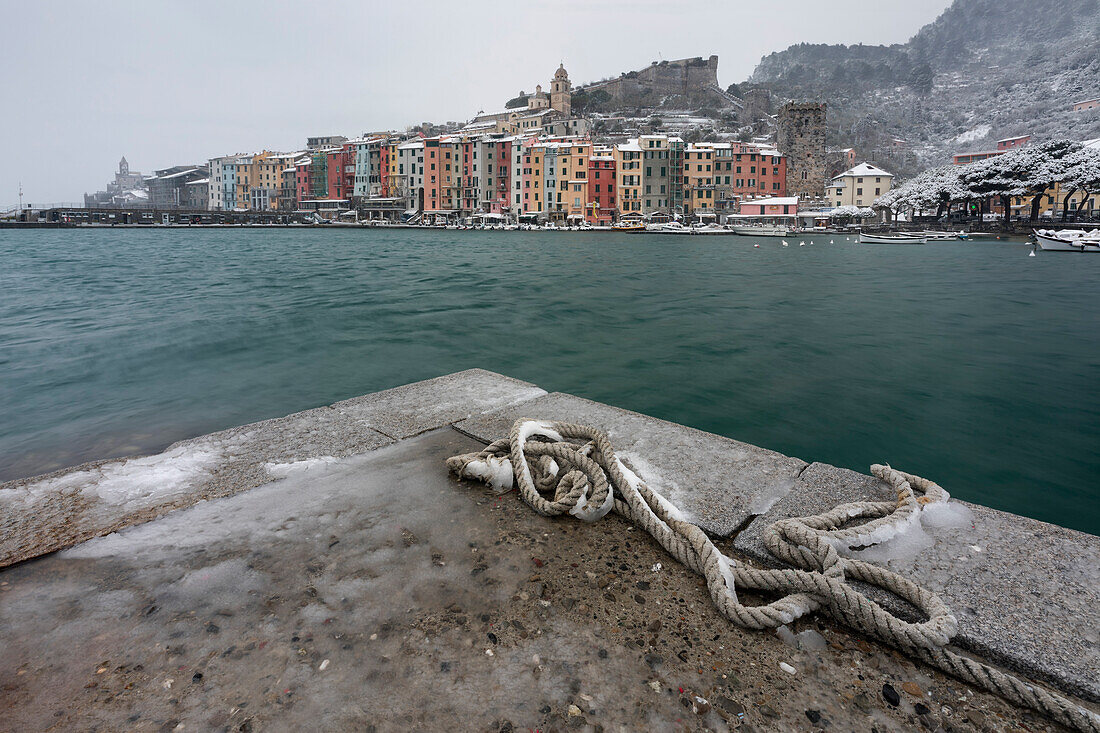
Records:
x=865, y=238
x=1062, y=242
x=931, y=236
x=668, y=227
x=766, y=230
x=712, y=229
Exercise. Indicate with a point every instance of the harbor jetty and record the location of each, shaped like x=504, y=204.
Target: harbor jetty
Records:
x=323, y=569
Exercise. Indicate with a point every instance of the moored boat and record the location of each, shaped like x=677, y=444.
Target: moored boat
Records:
x=1052, y=242
x=767, y=230
x=712, y=229
x=865, y=238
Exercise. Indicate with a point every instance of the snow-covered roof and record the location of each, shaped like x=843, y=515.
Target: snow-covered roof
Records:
x=196, y=183
x=630, y=146
x=864, y=169
x=776, y=201
x=1094, y=144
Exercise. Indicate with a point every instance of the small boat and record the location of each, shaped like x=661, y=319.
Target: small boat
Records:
x=932, y=236
x=712, y=229
x=628, y=226
x=748, y=230
x=1067, y=241
x=668, y=227
x=889, y=239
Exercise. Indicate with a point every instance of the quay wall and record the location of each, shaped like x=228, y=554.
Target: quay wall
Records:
x=1026, y=593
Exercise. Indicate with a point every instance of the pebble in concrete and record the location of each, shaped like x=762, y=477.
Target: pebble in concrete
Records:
x=717, y=481
x=1026, y=593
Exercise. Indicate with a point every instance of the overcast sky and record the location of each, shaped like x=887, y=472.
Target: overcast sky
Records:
x=167, y=82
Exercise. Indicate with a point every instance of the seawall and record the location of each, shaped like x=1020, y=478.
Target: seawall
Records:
x=1026, y=593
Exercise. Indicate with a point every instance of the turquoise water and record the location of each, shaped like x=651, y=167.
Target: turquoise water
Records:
x=972, y=364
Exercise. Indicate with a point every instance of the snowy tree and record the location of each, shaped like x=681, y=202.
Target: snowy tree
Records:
x=1050, y=164
x=1082, y=174
x=845, y=213
x=1023, y=172
x=935, y=189
x=1027, y=171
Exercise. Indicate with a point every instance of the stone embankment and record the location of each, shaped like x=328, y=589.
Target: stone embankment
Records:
x=323, y=570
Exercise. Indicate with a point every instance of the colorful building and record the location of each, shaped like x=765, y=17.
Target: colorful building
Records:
x=628, y=167
x=1010, y=143
x=699, y=198
x=967, y=158
x=600, y=207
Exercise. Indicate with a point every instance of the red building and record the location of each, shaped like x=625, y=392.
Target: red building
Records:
x=303, y=184
x=601, y=204
x=747, y=171
x=1013, y=142
x=498, y=174
x=384, y=168
x=341, y=172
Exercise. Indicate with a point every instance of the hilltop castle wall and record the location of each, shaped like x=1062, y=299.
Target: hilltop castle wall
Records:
x=686, y=77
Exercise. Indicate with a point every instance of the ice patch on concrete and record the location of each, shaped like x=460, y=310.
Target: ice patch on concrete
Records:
x=224, y=584
x=908, y=539
x=496, y=471
x=134, y=483
x=947, y=514
x=808, y=639
x=666, y=489
x=282, y=470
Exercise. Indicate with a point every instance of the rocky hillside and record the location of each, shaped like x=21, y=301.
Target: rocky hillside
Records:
x=984, y=70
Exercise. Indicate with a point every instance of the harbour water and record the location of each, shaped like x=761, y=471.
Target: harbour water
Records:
x=970, y=363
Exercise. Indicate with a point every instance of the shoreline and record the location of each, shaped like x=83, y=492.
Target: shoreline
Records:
x=979, y=235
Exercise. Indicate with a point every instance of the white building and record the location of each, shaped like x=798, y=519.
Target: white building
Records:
x=858, y=186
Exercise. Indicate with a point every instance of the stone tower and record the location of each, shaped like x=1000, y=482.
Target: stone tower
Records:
x=561, y=91
x=757, y=106
x=801, y=137
x=123, y=166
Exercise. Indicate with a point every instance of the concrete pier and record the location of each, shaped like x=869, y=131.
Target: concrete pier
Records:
x=210, y=584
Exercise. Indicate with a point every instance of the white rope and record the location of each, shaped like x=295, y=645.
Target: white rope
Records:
x=562, y=468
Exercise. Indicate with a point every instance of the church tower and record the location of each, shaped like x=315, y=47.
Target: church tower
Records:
x=124, y=167
x=561, y=93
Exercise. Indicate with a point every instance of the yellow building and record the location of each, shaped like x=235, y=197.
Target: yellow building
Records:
x=571, y=179
x=698, y=180
x=858, y=186
x=391, y=176
x=1052, y=202
x=628, y=172
x=259, y=178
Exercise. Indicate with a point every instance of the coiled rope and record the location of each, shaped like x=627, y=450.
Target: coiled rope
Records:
x=564, y=468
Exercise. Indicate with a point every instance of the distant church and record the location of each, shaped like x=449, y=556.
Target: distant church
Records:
x=561, y=94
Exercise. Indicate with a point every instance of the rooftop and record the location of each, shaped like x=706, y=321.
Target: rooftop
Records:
x=865, y=169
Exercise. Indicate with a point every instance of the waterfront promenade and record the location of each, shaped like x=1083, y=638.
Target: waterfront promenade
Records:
x=322, y=569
